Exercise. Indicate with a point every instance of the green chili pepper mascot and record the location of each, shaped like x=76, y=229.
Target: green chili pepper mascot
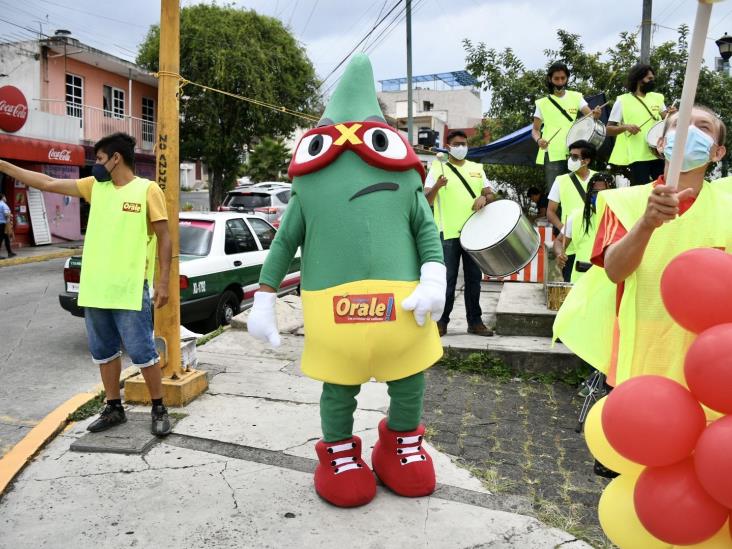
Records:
x=370, y=253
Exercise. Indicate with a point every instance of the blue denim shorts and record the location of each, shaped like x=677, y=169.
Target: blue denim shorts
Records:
x=109, y=330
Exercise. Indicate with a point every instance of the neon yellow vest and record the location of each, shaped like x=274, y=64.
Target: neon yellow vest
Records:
x=650, y=342
x=453, y=204
x=570, y=199
x=113, y=267
x=634, y=148
x=582, y=242
x=554, y=120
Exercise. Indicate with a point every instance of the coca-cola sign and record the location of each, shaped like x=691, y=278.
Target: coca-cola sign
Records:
x=63, y=155
x=13, y=109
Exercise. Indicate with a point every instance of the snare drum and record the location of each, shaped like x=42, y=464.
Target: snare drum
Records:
x=653, y=135
x=587, y=129
x=500, y=238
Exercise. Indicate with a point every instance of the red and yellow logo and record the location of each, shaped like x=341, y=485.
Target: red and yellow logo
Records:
x=350, y=309
x=133, y=207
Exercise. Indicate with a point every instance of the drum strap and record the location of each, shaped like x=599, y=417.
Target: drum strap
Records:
x=461, y=178
x=557, y=105
x=653, y=116
x=578, y=186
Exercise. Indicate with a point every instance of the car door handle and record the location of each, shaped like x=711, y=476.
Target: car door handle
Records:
x=237, y=263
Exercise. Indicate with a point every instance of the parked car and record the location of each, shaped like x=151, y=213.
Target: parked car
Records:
x=268, y=200
x=221, y=255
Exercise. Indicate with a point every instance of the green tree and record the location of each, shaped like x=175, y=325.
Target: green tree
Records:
x=514, y=87
x=268, y=161
x=241, y=52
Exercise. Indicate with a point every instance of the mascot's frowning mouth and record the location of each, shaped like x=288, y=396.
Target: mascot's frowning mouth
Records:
x=384, y=186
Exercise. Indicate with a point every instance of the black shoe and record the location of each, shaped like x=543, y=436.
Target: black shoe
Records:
x=110, y=416
x=602, y=471
x=160, y=421
x=11, y=254
x=441, y=328
x=480, y=329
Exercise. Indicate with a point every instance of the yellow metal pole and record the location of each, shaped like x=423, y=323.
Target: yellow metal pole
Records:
x=180, y=384
x=167, y=319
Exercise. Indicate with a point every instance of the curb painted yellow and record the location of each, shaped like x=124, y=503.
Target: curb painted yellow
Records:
x=17, y=458
x=8, y=262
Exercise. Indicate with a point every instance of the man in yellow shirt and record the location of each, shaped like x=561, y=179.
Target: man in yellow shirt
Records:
x=127, y=212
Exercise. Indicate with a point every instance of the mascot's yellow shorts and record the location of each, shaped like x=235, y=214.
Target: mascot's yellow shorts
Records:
x=358, y=331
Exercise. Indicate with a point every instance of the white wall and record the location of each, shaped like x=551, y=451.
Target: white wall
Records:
x=459, y=108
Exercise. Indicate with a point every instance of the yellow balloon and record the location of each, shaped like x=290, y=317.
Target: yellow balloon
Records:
x=600, y=447
x=619, y=519
x=720, y=540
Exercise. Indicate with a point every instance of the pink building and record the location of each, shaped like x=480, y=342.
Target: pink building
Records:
x=57, y=98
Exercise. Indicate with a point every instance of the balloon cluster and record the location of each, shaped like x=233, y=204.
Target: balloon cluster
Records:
x=675, y=483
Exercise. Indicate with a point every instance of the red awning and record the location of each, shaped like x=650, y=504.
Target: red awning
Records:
x=39, y=150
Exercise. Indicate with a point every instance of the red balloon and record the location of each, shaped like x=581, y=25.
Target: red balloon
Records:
x=673, y=506
x=652, y=420
x=696, y=290
x=713, y=460
x=708, y=368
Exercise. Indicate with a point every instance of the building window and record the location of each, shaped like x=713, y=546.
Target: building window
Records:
x=114, y=102
x=427, y=106
x=74, y=96
x=148, y=120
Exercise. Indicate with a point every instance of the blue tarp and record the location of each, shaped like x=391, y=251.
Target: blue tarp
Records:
x=518, y=148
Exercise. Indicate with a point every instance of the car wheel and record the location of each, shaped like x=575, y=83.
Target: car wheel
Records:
x=226, y=309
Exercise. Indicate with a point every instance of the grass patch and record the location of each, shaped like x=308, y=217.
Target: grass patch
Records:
x=89, y=409
x=570, y=520
x=492, y=480
x=209, y=336
x=177, y=415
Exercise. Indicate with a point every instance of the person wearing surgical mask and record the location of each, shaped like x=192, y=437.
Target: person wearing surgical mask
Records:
x=569, y=191
x=642, y=229
x=456, y=189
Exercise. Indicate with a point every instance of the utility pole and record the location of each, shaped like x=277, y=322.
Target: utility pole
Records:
x=410, y=110
x=646, y=22
x=180, y=385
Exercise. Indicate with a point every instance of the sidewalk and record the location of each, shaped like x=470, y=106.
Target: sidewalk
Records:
x=237, y=472
x=33, y=254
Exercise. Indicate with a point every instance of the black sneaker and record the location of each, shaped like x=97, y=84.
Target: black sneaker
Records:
x=160, y=421
x=110, y=416
x=602, y=471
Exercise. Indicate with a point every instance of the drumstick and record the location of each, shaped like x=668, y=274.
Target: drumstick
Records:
x=646, y=122
x=691, y=79
x=553, y=136
x=605, y=104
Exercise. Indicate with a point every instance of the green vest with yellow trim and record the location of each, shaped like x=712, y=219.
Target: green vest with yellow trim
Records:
x=115, y=262
x=634, y=148
x=453, y=204
x=554, y=122
x=650, y=342
x=582, y=242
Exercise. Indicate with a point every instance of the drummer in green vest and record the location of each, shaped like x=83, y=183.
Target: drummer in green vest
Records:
x=627, y=331
x=581, y=227
x=456, y=189
x=569, y=191
x=126, y=218
x=632, y=115
x=554, y=115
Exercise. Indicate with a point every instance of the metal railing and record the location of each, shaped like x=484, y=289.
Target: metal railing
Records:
x=95, y=123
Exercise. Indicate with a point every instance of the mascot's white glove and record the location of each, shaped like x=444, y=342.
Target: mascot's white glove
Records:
x=429, y=295
x=262, y=322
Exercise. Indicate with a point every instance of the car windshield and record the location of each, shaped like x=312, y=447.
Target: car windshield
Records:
x=249, y=201
x=195, y=237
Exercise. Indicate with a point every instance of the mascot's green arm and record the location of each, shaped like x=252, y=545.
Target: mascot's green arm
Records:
x=425, y=231
x=290, y=236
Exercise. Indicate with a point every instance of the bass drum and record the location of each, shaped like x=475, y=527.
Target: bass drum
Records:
x=500, y=238
x=587, y=129
x=653, y=135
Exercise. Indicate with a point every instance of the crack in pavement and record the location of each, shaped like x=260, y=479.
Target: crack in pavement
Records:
x=127, y=471
x=233, y=492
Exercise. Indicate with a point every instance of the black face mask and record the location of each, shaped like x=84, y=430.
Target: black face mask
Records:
x=559, y=88
x=648, y=86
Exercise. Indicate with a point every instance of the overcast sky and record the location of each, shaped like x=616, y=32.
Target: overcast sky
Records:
x=329, y=29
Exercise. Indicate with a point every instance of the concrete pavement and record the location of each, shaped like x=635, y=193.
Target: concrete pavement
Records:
x=237, y=472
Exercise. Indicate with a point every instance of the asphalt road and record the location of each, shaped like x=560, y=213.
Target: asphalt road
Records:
x=43, y=351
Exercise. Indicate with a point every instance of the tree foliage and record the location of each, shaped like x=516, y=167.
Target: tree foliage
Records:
x=241, y=52
x=514, y=87
x=268, y=161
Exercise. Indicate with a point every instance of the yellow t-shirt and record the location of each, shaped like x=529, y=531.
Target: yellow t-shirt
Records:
x=156, y=210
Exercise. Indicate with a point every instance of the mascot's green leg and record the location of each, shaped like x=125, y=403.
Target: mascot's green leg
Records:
x=337, y=404
x=407, y=398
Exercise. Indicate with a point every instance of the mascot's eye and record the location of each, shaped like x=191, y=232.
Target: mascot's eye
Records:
x=387, y=143
x=312, y=146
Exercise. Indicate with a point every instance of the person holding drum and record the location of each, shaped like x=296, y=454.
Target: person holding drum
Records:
x=457, y=189
x=570, y=190
x=633, y=116
x=581, y=227
x=553, y=116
